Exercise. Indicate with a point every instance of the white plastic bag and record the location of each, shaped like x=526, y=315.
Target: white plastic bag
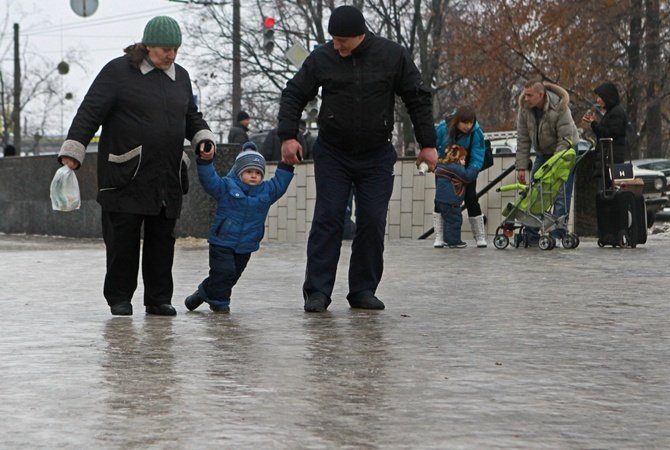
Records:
x=65, y=190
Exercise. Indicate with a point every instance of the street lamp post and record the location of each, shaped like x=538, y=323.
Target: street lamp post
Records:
x=16, y=113
x=237, y=76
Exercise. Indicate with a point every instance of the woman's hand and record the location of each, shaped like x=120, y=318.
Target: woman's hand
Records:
x=70, y=162
x=207, y=149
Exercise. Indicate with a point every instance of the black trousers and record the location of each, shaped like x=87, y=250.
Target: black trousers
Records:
x=122, y=233
x=334, y=173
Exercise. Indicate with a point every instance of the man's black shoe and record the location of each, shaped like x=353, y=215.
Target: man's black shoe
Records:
x=220, y=309
x=316, y=302
x=193, y=301
x=161, y=310
x=122, y=309
x=366, y=301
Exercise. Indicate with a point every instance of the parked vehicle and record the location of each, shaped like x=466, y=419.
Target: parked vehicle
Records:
x=502, y=142
x=660, y=164
x=655, y=195
x=656, y=175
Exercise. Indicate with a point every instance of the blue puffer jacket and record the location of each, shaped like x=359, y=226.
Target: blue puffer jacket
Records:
x=450, y=181
x=239, y=222
x=475, y=136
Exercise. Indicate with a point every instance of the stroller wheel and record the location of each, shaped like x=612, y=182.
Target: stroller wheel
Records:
x=570, y=241
x=545, y=243
x=500, y=241
x=552, y=242
x=601, y=244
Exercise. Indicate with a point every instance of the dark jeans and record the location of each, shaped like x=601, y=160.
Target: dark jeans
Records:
x=225, y=268
x=452, y=216
x=122, y=234
x=334, y=173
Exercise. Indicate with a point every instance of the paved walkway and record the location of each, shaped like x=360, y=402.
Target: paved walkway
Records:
x=477, y=349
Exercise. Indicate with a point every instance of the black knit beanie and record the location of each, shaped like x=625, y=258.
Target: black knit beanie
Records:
x=346, y=21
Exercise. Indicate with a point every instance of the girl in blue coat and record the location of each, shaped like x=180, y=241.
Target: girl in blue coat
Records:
x=244, y=201
x=451, y=178
x=462, y=128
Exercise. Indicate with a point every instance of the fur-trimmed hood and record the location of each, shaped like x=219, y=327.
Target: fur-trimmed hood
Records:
x=546, y=133
x=558, y=98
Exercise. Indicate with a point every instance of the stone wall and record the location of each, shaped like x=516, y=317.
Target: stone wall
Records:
x=25, y=206
x=410, y=210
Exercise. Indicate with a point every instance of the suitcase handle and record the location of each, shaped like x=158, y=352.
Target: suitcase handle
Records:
x=609, y=142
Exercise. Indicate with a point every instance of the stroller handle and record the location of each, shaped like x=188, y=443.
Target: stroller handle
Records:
x=512, y=187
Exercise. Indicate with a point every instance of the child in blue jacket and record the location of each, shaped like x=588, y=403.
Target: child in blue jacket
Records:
x=451, y=178
x=244, y=200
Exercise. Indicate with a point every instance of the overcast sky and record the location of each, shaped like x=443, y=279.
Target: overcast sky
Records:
x=51, y=28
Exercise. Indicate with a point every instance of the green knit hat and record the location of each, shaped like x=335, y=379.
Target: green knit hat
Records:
x=162, y=31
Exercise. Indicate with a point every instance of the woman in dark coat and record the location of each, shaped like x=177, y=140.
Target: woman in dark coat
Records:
x=144, y=103
x=611, y=124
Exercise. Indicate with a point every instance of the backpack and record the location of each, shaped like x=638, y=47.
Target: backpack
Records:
x=488, y=155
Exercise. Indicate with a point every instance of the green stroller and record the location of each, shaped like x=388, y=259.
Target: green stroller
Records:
x=533, y=206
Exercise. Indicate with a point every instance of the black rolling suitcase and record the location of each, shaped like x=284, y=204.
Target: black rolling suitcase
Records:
x=621, y=214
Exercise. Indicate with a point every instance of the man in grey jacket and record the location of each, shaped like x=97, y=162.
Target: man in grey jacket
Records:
x=545, y=123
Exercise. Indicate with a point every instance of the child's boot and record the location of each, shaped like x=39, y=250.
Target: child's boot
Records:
x=478, y=230
x=193, y=301
x=438, y=228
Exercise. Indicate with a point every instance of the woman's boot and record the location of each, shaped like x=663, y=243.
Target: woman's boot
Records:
x=478, y=230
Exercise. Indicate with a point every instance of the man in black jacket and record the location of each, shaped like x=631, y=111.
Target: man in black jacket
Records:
x=359, y=75
x=239, y=133
x=144, y=102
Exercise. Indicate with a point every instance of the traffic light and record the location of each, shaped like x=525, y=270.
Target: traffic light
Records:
x=268, y=34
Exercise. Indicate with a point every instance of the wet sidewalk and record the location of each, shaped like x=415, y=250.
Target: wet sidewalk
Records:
x=477, y=349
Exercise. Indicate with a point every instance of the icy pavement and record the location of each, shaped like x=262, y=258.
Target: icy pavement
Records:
x=477, y=349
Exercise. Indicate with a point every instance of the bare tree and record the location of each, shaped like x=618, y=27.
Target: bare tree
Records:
x=653, y=88
x=415, y=25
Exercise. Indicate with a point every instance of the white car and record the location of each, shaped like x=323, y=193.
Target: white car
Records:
x=656, y=175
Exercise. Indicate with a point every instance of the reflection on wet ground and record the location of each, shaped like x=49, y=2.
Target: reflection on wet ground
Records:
x=563, y=354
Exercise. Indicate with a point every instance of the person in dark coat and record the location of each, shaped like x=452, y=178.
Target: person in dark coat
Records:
x=271, y=150
x=611, y=124
x=10, y=150
x=238, y=134
x=309, y=138
x=144, y=103
x=359, y=75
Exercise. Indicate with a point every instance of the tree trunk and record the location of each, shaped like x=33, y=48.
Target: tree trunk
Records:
x=634, y=75
x=652, y=53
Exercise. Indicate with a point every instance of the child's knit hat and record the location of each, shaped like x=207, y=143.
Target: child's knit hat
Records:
x=162, y=31
x=249, y=158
